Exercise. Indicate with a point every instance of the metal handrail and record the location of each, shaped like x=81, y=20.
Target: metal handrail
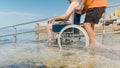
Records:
x=113, y=6
x=24, y=23
x=109, y=19
x=21, y=33
x=108, y=33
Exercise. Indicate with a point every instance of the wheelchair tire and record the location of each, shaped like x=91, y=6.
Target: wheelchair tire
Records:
x=67, y=36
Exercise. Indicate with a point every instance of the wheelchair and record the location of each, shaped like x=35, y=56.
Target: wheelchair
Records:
x=70, y=35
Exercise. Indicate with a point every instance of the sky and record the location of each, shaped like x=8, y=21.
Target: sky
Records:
x=14, y=12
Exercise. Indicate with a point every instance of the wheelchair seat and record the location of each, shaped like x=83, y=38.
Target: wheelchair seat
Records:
x=59, y=27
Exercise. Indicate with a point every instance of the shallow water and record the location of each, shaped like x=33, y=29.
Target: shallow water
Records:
x=39, y=55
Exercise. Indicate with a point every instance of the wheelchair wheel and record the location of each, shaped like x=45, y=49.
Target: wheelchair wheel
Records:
x=73, y=36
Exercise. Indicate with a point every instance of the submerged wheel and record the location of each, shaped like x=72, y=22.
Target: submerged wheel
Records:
x=73, y=36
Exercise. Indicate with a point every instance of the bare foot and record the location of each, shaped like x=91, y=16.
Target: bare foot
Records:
x=92, y=50
x=49, y=43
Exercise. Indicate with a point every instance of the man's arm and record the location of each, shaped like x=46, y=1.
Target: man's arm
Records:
x=70, y=9
x=80, y=4
x=68, y=12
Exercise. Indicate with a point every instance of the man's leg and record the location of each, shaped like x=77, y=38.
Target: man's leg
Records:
x=49, y=33
x=89, y=27
x=93, y=16
x=36, y=28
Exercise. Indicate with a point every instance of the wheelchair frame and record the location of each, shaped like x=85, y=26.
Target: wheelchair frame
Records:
x=66, y=27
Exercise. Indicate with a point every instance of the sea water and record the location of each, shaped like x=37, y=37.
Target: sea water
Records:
x=28, y=53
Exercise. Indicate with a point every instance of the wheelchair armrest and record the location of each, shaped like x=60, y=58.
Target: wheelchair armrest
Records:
x=61, y=19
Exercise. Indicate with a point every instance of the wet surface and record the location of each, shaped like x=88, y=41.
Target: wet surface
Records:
x=39, y=55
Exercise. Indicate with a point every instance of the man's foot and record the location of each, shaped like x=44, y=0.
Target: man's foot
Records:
x=49, y=43
x=56, y=41
x=91, y=51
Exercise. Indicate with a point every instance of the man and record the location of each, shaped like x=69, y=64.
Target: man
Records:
x=67, y=15
x=94, y=10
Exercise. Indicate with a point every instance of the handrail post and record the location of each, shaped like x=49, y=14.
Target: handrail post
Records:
x=15, y=34
x=104, y=21
x=103, y=32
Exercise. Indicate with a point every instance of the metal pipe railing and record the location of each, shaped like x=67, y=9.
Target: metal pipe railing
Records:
x=24, y=23
x=113, y=6
x=15, y=29
x=20, y=33
x=109, y=19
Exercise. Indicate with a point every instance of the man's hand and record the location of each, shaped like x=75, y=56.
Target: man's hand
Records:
x=78, y=11
x=50, y=20
x=78, y=8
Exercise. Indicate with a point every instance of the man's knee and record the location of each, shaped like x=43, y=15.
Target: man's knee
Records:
x=49, y=26
x=86, y=24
